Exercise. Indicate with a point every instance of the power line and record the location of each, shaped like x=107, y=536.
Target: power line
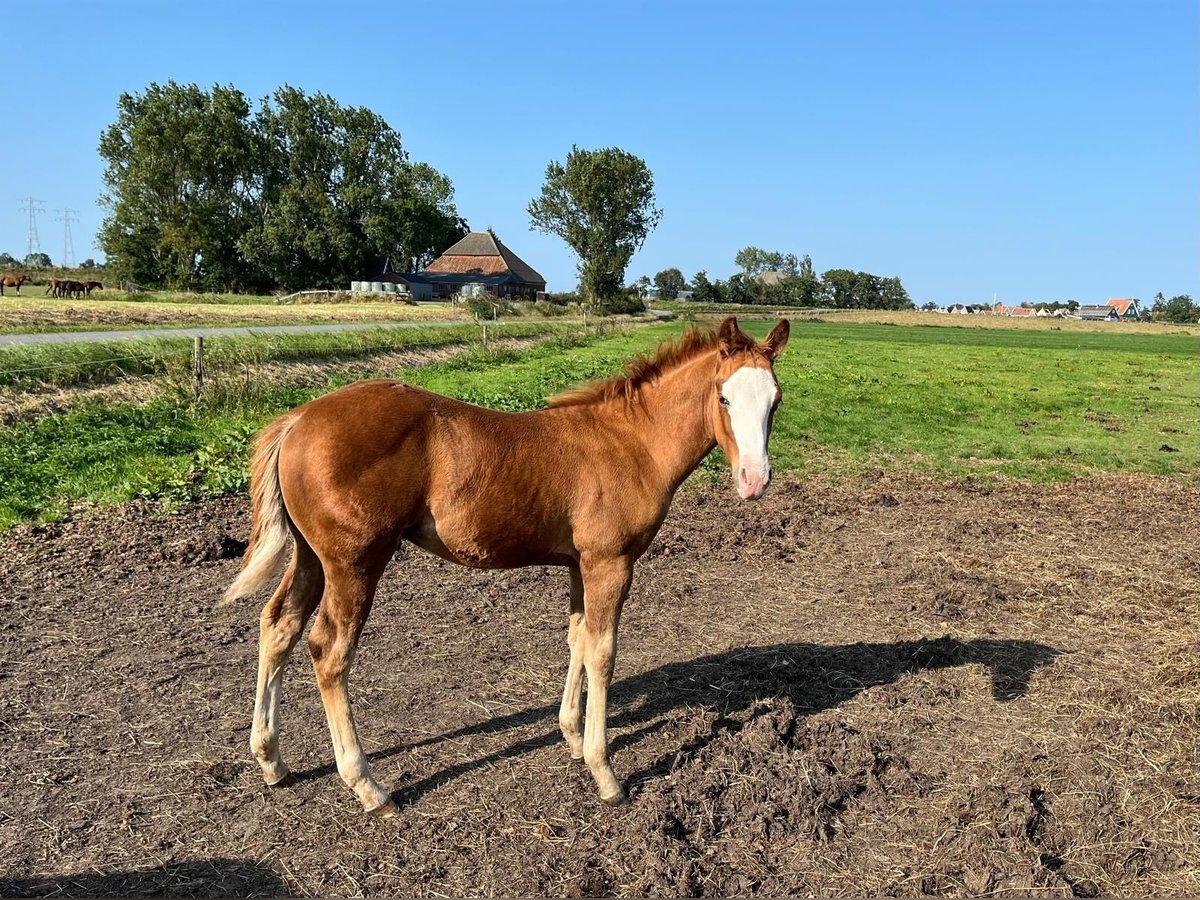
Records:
x=34, y=207
x=67, y=216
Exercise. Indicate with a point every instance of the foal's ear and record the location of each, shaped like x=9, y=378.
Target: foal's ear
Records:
x=728, y=334
x=776, y=340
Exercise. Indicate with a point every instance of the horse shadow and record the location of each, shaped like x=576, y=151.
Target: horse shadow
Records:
x=813, y=677
x=202, y=878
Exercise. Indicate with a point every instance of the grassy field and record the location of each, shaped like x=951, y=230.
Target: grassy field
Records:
x=962, y=403
x=688, y=310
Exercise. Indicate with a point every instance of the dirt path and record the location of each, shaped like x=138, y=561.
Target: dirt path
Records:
x=903, y=687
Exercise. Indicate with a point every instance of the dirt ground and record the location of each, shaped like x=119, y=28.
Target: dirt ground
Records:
x=900, y=687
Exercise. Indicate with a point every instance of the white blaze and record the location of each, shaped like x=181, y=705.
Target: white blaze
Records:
x=749, y=394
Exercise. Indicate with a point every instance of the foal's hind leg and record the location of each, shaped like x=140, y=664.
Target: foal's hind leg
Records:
x=332, y=643
x=280, y=625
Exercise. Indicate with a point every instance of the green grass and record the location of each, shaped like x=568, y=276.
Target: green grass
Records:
x=1029, y=404
x=954, y=402
x=97, y=362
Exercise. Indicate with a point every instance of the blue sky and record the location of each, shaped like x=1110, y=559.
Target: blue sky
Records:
x=1032, y=150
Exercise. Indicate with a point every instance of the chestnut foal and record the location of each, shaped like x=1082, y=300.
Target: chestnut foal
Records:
x=584, y=484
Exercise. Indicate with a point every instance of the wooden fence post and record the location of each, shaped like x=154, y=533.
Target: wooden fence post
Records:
x=484, y=325
x=198, y=366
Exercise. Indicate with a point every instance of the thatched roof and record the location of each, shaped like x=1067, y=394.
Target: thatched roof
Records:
x=479, y=253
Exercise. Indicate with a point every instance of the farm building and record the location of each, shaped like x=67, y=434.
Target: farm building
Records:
x=1022, y=312
x=1126, y=309
x=481, y=259
x=1097, y=313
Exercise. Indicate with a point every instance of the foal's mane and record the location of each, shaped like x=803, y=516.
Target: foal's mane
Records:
x=641, y=370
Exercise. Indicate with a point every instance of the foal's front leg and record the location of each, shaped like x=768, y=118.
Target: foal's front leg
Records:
x=570, y=713
x=605, y=585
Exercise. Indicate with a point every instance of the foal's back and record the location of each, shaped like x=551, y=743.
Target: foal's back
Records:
x=380, y=460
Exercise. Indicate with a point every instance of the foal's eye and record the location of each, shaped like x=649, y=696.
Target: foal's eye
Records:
x=725, y=401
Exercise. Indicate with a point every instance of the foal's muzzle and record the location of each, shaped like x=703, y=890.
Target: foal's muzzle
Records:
x=752, y=481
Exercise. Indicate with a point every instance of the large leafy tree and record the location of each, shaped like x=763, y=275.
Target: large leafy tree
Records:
x=338, y=191
x=601, y=203
x=181, y=173
x=204, y=192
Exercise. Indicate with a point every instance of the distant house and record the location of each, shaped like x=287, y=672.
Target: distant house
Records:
x=481, y=259
x=1001, y=310
x=1022, y=312
x=684, y=295
x=1126, y=309
x=1044, y=313
x=1097, y=313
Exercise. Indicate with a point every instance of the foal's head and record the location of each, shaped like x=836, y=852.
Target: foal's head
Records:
x=745, y=395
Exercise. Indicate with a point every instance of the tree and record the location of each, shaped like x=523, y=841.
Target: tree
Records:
x=338, y=191
x=601, y=203
x=929, y=306
x=893, y=295
x=754, y=261
x=205, y=192
x=182, y=172
x=669, y=283
x=805, y=289
x=703, y=290
x=88, y=263
x=7, y=259
x=862, y=290
x=751, y=260
x=1179, y=309
x=38, y=261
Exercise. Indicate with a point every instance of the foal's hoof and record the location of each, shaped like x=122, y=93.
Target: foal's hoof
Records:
x=620, y=798
x=281, y=781
x=387, y=810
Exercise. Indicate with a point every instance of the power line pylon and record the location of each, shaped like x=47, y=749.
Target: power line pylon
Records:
x=67, y=216
x=33, y=207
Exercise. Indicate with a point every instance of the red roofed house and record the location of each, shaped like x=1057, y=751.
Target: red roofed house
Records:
x=1022, y=312
x=481, y=259
x=1126, y=309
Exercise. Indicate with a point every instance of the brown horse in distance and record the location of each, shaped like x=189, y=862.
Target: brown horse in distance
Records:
x=584, y=484
x=89, y=286
x=12, y=281
x=65, y=287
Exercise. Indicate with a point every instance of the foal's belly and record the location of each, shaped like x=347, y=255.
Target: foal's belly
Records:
x=483, y=546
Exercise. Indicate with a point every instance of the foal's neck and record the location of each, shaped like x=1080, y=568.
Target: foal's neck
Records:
x=678, y=430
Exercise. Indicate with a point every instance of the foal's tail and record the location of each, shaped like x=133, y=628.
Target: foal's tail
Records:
x=269, y=532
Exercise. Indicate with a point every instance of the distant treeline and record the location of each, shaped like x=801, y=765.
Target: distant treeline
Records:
x=779, y=279
x=41, y=261
x=207, y=191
